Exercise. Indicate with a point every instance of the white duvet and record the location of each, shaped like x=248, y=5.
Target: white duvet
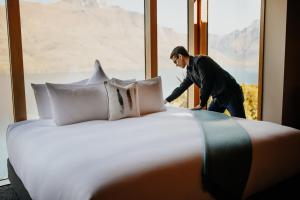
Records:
x=74, y=161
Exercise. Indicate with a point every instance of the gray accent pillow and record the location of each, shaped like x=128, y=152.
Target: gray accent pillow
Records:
x=122, y=82
x=77, y=103
x=99, y=75
x=43, y=101
x=151, y=96
x=123, y=100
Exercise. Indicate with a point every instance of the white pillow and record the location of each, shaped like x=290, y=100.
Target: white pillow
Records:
x=123, y=100
x=77, y=103
x=43, y=101
x=151, y=96
x=99, y=75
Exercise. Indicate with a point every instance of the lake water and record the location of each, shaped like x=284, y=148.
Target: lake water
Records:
x=169, y=81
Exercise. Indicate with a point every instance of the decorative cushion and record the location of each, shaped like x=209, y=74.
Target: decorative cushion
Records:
x=43, y=101
x=151, y=96
x=123, y=100
x=77, y=103
x=99, y=75
x=122, y=82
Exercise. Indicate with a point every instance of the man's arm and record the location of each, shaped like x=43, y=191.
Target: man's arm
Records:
x=186, y=83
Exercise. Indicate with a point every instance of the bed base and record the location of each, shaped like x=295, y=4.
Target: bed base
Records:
x=288, y=189
x=16, y=183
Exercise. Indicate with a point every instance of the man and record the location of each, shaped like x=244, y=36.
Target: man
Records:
x=212, y=80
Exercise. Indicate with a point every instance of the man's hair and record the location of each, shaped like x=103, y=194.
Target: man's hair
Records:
x=179, y=50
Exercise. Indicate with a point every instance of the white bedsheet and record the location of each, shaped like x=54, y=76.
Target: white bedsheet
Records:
x=73, y=161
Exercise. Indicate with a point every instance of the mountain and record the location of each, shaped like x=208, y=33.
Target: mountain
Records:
x=68, y=35
x=239, y=47
x=87, y=3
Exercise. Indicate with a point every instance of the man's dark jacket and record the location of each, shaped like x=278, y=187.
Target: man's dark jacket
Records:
x=211, y=78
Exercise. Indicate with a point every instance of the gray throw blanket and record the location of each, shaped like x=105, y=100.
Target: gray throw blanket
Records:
x=227, y=157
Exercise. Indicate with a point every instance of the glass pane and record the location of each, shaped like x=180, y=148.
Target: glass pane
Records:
x=233, y=42
x=6, y=111
x=62, y=39
x=171, y=32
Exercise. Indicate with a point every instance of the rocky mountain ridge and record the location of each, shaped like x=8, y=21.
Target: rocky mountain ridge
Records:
x=70, y=34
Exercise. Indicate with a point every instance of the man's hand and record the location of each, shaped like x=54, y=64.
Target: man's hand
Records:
x=199, y=108
x=204, y=108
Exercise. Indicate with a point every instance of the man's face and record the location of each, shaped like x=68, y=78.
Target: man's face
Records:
x=178, y=61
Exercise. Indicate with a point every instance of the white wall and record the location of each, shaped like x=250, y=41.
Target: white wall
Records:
x=274, y=54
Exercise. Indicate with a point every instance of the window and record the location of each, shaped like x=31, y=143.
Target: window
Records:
x=6, y=112
x=171, y=32
x=233, y=41
x=62, y=39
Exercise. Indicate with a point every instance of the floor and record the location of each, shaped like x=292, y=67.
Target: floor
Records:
x=7, y=193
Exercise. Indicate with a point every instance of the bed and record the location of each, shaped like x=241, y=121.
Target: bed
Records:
x=156, y=156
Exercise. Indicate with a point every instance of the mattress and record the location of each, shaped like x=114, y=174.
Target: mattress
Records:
x=157, y=156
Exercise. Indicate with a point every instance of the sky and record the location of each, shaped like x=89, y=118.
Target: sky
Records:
x=224, y=15
x=41, y=1
x=227, y=15
x=237, y=13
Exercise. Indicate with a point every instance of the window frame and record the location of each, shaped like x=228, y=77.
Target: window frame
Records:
x=197, y=44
